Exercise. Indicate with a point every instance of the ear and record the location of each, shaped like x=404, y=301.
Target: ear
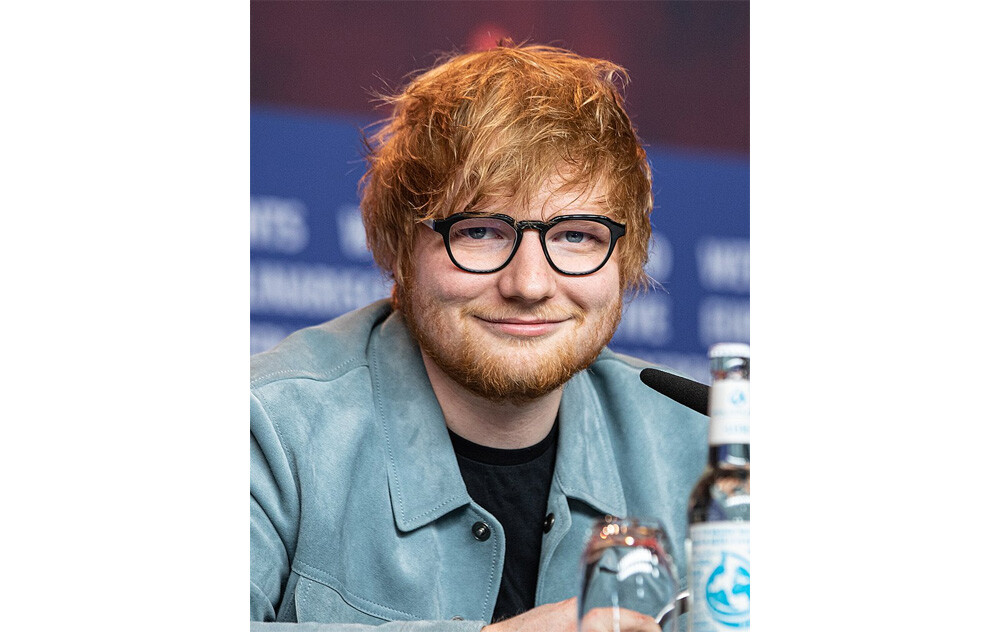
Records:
x=395, y=298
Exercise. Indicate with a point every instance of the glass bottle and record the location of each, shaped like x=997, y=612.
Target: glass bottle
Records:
x=718, y=542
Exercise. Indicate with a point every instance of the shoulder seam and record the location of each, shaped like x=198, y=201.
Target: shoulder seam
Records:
x=617, y=358
x=334, y=373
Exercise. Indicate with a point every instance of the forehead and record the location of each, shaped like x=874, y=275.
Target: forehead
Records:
x=553, y=198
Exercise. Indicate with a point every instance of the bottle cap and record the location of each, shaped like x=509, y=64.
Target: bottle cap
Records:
x=729, y=350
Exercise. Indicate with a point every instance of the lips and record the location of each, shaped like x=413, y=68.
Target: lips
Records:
x=522, y=327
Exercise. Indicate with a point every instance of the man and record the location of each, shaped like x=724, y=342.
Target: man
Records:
x=435, y=462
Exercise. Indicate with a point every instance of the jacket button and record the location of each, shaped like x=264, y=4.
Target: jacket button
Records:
x=549, y=521
x=481, y=531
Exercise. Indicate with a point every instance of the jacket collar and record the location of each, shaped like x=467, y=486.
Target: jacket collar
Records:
x=586, y=468
x=425, y=482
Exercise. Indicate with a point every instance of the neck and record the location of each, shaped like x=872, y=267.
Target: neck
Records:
x=492, y=424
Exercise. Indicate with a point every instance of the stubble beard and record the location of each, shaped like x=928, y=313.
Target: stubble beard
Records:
x=516, y=370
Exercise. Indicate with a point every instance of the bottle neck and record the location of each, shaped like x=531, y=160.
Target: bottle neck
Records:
x=729, y=455
x=729, y=411
x=729, y=415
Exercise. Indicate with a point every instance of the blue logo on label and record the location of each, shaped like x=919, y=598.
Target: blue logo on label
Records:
x=727, y=591
x=739, y=398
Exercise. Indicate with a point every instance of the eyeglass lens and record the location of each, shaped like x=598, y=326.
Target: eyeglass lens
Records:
x=574, y=246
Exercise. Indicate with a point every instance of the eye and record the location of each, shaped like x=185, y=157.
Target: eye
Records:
x=575, y=236
x=579, y=233
x=481, y=231
x=477, y=232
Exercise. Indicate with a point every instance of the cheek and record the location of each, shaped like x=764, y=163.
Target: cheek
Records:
x=602, y=290
x=437, y=278
x=447, y=288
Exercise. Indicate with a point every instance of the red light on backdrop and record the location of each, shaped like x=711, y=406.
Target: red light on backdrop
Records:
x=485, y=35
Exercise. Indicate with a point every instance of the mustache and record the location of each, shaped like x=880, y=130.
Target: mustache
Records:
x=524, y=314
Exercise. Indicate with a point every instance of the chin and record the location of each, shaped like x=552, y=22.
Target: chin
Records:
x=515, y=370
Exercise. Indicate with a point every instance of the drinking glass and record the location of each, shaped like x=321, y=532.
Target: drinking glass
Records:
x=627, y=567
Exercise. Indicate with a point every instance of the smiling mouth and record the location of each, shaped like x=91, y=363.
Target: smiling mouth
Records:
x=523, y=327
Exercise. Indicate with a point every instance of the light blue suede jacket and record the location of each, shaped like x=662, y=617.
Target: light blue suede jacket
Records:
x=358, y=511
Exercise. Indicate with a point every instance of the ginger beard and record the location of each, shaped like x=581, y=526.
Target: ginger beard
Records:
x=508, y=368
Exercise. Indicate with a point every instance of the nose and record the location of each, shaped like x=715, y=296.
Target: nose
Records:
x=528, y=277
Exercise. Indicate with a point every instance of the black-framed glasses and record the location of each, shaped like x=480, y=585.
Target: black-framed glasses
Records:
x=573, y=244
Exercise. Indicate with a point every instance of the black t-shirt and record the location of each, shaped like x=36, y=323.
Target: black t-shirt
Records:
x=513, y=485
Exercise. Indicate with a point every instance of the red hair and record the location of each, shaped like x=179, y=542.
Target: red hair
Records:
x=497, y=124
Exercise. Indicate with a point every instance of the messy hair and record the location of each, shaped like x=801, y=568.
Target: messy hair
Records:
x=497, y=125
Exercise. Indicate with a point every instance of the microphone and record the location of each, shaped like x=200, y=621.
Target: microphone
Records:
x=692, y=394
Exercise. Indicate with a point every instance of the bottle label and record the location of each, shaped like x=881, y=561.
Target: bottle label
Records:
x=729, y=412
x=719, y=563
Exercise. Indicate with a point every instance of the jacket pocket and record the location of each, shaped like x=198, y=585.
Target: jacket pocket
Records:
x=319, y=602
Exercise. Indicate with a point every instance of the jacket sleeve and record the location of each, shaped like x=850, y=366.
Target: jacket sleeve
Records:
x=274, y=514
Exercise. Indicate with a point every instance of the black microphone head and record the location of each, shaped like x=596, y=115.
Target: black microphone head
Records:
x=692, y=394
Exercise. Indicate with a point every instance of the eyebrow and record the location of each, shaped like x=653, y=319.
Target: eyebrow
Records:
x=592, y=206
